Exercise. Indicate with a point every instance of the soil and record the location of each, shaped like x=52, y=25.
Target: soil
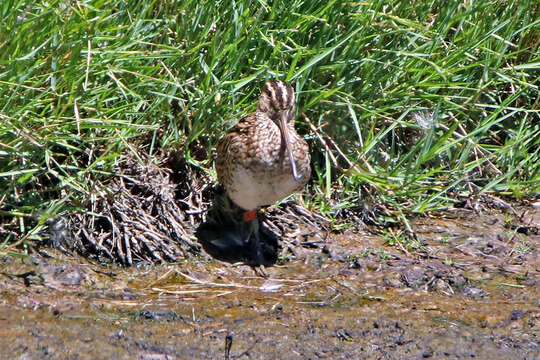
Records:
x=467, y=286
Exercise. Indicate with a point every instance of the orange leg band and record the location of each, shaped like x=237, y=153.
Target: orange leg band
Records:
x=250, y=215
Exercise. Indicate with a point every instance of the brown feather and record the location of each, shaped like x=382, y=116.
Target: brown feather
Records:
x=252, y=161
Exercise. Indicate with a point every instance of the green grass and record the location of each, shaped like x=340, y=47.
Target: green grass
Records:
x=428, y=100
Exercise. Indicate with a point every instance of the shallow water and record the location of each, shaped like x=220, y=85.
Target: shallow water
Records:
x=468, y=287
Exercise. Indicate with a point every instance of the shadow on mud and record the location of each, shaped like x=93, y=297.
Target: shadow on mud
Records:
x=228, y=238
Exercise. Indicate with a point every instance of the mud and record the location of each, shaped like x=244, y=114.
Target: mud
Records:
x=468, y=286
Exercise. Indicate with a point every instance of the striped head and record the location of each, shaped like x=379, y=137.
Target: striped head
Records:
x=277, y=101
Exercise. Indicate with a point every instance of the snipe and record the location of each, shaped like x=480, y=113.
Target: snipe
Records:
x=262, y=159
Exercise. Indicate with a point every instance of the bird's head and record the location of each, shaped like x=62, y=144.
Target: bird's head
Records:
x=278, y=101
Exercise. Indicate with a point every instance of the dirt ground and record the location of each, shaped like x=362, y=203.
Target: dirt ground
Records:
x=467, y=287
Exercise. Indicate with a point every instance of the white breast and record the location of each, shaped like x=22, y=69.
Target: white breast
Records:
x=251, y=192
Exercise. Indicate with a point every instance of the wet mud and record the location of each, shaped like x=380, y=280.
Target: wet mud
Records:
x=467, y=286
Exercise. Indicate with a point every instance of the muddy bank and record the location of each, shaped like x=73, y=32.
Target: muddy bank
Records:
x=466, y=287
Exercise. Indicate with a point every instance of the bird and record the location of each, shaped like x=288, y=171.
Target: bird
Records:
x=262, y=159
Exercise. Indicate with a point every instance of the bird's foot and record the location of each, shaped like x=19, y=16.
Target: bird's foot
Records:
x=260, y=271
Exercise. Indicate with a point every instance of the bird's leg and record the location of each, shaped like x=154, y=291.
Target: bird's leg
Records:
x=252, y=222
x=255, y=245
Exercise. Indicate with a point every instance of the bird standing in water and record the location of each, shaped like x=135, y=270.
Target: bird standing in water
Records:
x=262, y=159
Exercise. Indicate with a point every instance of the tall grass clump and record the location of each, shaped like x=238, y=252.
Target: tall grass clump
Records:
x=415, y=103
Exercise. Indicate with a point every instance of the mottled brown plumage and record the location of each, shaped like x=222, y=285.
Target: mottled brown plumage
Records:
x=254, y=160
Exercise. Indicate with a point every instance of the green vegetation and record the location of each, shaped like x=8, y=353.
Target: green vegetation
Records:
x=427, y=101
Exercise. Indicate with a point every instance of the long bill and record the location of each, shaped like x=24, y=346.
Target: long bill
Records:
x=287, y=139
